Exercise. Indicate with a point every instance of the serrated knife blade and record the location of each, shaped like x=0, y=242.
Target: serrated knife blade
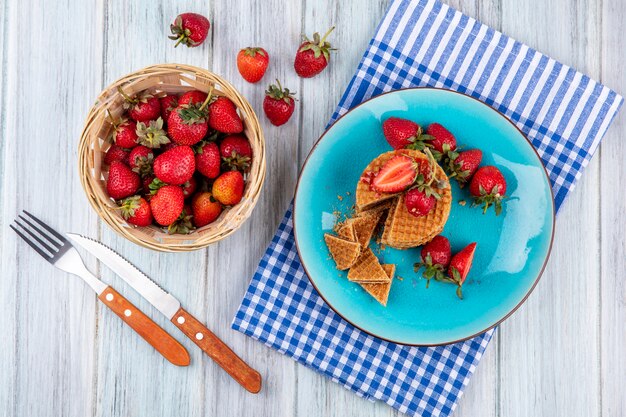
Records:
x=162, y=300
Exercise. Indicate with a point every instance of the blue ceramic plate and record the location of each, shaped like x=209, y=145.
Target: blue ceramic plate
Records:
x=512, y=248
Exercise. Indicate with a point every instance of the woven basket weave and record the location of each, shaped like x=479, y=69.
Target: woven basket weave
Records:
x=159, y=79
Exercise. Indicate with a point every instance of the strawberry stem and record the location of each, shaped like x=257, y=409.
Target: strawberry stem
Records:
x=180, y=39
x=326, y=35
x=208, y=98
x=111, y=119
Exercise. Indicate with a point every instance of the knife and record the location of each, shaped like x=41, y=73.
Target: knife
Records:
x=170, y=307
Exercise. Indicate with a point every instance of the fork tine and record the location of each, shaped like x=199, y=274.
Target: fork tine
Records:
x=37, y=238
x=32, y=245
x=49, y=240
x=48, y=228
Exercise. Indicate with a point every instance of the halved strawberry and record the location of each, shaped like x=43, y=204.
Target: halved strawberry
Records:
x=396, y=175
x=460, y=266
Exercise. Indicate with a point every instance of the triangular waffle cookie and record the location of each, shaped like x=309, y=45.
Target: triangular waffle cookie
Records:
x=344, y=253
x=381, y=291
x=367, y=269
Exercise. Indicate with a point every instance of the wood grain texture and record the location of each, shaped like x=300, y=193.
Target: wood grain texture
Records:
x=62, y=353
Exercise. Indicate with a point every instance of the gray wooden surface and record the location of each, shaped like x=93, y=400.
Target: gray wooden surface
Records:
x=62, y=354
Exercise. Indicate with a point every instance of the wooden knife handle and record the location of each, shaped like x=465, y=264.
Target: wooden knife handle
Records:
x=218, y=351
x=151, y=332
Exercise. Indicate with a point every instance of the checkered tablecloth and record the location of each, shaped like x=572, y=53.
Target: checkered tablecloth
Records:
x=426, y=43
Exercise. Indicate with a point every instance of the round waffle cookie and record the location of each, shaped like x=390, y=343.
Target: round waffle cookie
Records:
x=402, y=230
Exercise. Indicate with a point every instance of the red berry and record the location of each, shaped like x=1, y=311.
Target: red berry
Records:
x=187, y=125
x=189, y=187
x=205, y=209
x=443, y=141
x=142, y=107
x=463, y=165
x=278, y=104
x=116, y=153
x=175, y=166
x=252, y=63
x=488, y=187
x=136, y=210
x=192, y=97
x=439, y=251
x=190, y=29
x=223, y=116
x=168, y=103
x=396, y=175
x=125, y=134
x=228, y=188
x=167, y=204
x=460, y=265
x=418, y=203
x=313, y=55
x=122, y=182
x=401, y=132
x=208, y=160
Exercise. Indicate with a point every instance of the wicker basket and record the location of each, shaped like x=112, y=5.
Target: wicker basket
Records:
x=159, y=79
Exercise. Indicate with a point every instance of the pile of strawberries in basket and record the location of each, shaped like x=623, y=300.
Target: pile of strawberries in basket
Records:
x=177, y=161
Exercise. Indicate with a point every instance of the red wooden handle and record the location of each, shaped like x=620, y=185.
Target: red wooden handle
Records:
x=218, y=351
x=151, y=332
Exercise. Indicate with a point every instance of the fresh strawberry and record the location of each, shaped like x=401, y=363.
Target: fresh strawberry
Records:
x=175, y=166
x=188, y=124
x=223, y=116
x=462, y=165
x=190, y=187
x=124, y=132
x=183, y=224
x=418, y=203
x=252, y=63
x=228, y=188
x=401, y=133
x=435, y=258
x=122, y=182
x=313, y=55
x=136, y=210
x=152, y=135
x=236, y=152
x=206, y=209
x=208, y=159
x=167, y=204
x=141, y=159
x=142, y=107
x=460, y=265
x=488, y=187
x=192, y=97
x=442, y=140
x=190, y=29
x=116, y=153
x=168, y=103
x=396, y=175
x=278, y=104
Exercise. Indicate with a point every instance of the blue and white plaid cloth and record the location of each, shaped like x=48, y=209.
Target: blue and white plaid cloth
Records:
x=426, y=43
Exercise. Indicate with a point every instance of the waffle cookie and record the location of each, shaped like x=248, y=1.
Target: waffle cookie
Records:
x=381, y=291
x=402, y=230
x=346, y=230
x=345, y=253
x=367, y=269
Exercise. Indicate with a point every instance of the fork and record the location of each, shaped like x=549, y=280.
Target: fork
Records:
x=57, y=250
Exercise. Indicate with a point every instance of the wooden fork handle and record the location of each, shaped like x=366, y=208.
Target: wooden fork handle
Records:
x=151, y=332
x=218, y=351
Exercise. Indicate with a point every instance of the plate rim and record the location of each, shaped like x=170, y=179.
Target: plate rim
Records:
x=506, y=316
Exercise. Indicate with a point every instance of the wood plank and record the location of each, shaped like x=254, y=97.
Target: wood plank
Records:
x=274, y=25
x=136, y=36
x=49, y=321
x=549, y=348
x=612, y=330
